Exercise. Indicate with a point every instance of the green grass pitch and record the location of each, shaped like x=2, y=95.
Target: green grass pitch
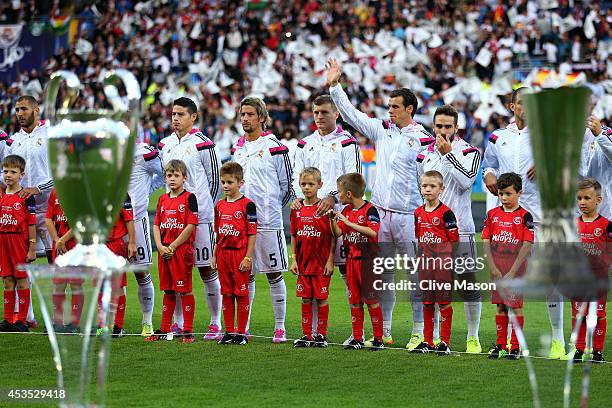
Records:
x=266, y=374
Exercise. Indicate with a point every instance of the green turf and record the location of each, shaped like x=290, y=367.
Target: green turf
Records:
x=261, y=373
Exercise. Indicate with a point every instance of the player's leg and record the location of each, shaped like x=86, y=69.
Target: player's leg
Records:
x=77, y=301
x=181, y=267
x=270, y=257
x=203, y=245
x=554, y=303
x=58, y=298
x=472, y=299
x=376, y=318
x=225, y=264
x=23, y=291
x=501, y=323
x=120, y=313
x=514, y=352
x=353, y=272
x=304, y=290
x=144, y=258
x=241, y=293
x=9, y=301
x=386, y=237
x=321, y=293
x=446, y=324
x=599, y=337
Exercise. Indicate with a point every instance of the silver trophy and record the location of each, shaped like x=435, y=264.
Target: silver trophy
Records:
x=90, y=155
x=558, y=265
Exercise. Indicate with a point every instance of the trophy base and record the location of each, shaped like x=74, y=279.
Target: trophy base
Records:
x=93, y=256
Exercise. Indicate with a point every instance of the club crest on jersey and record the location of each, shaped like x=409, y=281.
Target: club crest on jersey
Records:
x=260, y=154
x=39, y=141
x=238, y=215
x=333, y=147
x=435, y=221
x=410, y=142
x=181, y=207
x=188, y=151
x=598, y=232
x=592, y=146
x=517, y=220
x=361, y=219
x=17, y=206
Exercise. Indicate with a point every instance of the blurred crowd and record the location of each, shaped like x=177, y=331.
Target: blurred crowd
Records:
x=468, y=53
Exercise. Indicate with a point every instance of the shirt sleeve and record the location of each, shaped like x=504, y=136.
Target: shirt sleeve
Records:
x=298, y=166
x=609, y=233
x=490, y=162
x=486, y=230
x=251, y=218
x=463, y=166
x=153, y=163
x=192, y=214
x=158, y=215
x=369, y=127
x=211, y=164
x=417, y=230
x=528, y=234
x=280, y=155
x=450, y=223
x=127, y=211
x=605, y=143
x=31, y=209
x=373, y=219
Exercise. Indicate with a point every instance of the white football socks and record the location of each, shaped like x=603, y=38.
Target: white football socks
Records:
x=146, y=297
x=278, y=295
x=472, y=315
x=213, y=298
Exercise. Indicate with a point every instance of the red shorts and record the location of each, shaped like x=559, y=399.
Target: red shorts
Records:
x=13, y=252
x=359, y=291
x=430, y=279
x=511, y=299
x=119, y=248
x=58, y=281
x=233, y=280
x=313, y=286
x=601, y=308
x=175, y=273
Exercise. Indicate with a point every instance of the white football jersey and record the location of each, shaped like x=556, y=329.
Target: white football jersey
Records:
x=147, y=165
x=199, y=155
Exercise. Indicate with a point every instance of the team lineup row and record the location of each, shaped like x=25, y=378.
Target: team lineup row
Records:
x=404, y=150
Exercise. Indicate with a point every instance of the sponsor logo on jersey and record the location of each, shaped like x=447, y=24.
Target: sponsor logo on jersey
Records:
x=308, y=231
x=228, y=230
x=7, y=219
x=172, y=223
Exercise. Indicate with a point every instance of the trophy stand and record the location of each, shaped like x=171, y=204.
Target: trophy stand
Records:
x=558, y=265
x=90, y=156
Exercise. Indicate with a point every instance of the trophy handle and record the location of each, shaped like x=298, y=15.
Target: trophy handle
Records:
x=73, y=86
x=131, y=86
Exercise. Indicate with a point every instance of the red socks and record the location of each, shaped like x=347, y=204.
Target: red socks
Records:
x=24, y=304
x=120, y=315
x=323, y=313
x=377, y=321
x=188, y=311
x=428, y=323
x=77, y=307
x=446, y=323
x=357, y=321
x=501, y=322
x=599, y=336
x=307, y=319
x=58, y=306
x=228, y=312
x=167, y=311
x=243, y=312
x=9, y=305
x=514, y=343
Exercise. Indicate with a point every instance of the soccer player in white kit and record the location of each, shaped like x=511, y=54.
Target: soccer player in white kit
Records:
x=334, y=152
x=147, y=169
x=396, y=189
x=267, y=182
x=198, y=152
x=509, y=151
x=30, y=142
x=596, y=161
x=458, y=162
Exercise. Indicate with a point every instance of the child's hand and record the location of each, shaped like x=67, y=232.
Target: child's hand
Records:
x=341, y=217
x=131, y=251
x=213, y=262
x=495, y=273
x=329, y=268
x=31, y=256
x=294, y=267
x=60, y=246
x=296, y=205
x=331, y=214
x=245, y=265
x=165, y=252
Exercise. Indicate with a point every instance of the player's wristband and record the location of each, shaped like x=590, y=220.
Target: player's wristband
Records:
x=32, y=240
x=248, y=258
